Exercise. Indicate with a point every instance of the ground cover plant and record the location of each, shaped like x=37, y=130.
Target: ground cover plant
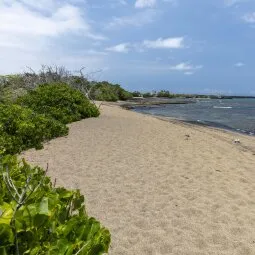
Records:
x=38, y=218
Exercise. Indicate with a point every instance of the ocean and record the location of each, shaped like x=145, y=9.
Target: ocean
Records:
x=231, y=114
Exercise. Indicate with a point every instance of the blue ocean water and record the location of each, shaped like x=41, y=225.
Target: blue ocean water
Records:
x=232, y=114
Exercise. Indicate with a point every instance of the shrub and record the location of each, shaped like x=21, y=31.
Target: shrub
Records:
x=104, y=94
x=105, y=91
x=60, y=102
x=37, y=218
x=148, y=94
x=136, y=94
x=21, y=128
x=11, y=86
x=123, y=94
x=14, y=81
x=10, y=95
x=165, y=93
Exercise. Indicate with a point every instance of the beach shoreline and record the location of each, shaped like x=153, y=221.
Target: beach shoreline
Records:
x=191, y=124
x=160, y=187
x=220, y=120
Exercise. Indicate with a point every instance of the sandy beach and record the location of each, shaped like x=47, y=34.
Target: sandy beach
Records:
x=160, y=187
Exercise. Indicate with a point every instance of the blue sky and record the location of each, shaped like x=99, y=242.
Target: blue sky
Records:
x=199, y=46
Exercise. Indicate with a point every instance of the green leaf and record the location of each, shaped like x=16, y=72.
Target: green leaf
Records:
x=6, y=213
x=3, y=251
x=44, y=224
x=63, y=193
x=6, y=235
x=62, y=247
x=44, y=207
x=69, y=251
x=33, y=251
x=40, y=220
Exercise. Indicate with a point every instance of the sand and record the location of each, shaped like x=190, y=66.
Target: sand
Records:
x=156, y=189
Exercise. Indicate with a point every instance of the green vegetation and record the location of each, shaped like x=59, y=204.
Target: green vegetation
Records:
x=11, y=87
x=37, y=218
x=105, y=91
x=136, y=94
x=21, y=128
x=147, y=94
x=165, y=93
x=59, y=101
x=40, y=115
x=162, y=93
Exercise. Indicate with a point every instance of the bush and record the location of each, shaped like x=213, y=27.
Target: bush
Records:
x=11, y=86
x=60, y=102
x=10, y=95
x=165, y=93
x=14, y=81
x=42, y=219
x=123, y=94
x=22, y=128
x=35, y=217
x=136, y=94
x=105, y=91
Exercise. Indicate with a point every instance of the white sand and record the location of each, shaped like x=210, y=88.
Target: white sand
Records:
x=156, y=190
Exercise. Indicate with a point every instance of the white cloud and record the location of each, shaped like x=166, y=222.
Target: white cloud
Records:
x=18, y=19
x=249, y=17
x=120, y=48
x=239, y=64
x=31, y=33
x=168, y=43
x=41, y=4
x=137, y=20
x=145, y=3
x=185, y=66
